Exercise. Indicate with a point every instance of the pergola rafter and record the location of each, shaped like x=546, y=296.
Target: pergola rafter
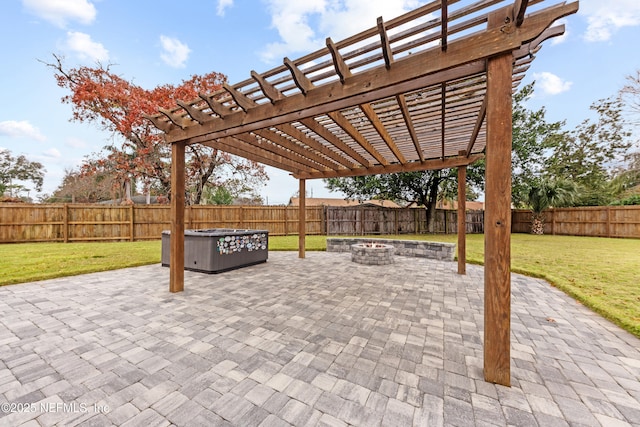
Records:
x=240, y=148
x=428, y=90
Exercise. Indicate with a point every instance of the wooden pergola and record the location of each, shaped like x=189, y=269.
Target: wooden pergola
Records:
x=431, y=89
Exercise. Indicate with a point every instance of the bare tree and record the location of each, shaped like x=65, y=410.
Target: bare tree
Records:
x=630, y=96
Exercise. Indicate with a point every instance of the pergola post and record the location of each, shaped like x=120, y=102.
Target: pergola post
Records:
x=302, y=219
x=497, y=223
x=176, y=260
x=462, y=220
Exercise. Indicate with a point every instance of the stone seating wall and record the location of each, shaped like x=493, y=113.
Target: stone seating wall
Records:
x=411, y=248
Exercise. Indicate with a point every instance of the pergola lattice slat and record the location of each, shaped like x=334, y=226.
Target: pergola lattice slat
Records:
x=427, y=90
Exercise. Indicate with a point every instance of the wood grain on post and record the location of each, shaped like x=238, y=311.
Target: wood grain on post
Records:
x=462, y=220
x=497, y=252
x=176, y=260
x=302, y=211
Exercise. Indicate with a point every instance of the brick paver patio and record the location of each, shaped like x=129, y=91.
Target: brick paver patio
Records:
x=320, y=341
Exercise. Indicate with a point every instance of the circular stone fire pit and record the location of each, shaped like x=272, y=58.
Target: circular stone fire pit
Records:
x=372, y=253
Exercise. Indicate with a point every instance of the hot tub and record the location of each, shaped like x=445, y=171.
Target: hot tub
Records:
x=219, y=249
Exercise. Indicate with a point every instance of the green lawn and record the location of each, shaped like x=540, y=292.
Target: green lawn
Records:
x=601, y=273
x=26, y=262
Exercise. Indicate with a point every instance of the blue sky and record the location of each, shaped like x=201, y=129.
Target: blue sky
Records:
x=153, y=43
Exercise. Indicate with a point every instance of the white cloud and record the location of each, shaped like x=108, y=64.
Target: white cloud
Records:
x=304, y=25
x=223, y=5
x=346, y=18
x=550, y=83
x=60, y=12
x=175, y=53
x=52, y=152
x=76, y=143
x=85, y=48
x=291, y=20
x=21, y=129
x=606, y=17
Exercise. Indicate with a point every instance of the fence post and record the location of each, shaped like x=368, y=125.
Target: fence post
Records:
x=241, y=217
x=446, y=230
x=395, y=213
x=553, y=222
x=326, y=220
x=131, y=224
x=65, y=225
x=608, y=221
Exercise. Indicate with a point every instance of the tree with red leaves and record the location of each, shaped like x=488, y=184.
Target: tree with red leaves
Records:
x=141, y=154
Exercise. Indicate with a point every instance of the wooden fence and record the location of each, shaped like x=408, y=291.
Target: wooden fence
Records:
x=360, y=220
x=79, y=222
x=598, y=221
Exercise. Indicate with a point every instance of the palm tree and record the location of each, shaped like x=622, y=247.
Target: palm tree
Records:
x=546, y=193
